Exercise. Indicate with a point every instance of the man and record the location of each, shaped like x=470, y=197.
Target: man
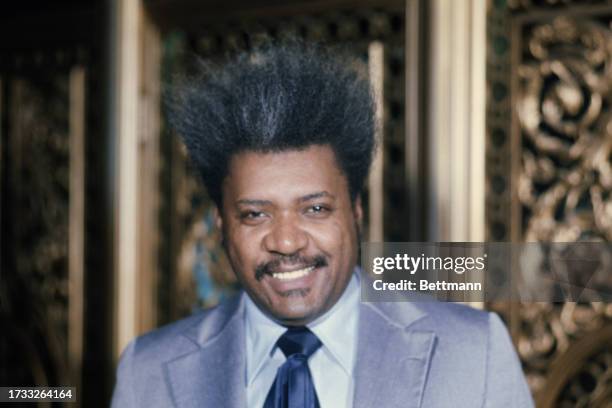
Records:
x=283, y=139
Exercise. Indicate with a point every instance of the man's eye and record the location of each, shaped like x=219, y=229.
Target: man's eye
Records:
x=318, y=209
x=251, y=215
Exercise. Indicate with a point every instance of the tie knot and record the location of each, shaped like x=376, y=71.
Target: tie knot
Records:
x=298, y=340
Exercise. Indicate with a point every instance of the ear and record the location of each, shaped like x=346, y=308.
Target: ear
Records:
x=358, y=211
x=217, y=214
x=218, y=219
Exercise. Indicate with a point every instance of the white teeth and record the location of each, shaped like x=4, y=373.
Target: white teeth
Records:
x=293, y=274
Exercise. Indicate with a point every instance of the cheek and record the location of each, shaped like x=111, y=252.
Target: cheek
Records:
x=242, y=246
x=332, y=237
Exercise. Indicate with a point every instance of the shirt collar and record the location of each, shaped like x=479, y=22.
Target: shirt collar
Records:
x=337, y=330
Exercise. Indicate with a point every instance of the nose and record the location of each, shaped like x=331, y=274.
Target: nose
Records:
x=286, y=237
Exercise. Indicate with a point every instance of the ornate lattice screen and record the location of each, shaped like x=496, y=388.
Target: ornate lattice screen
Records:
x=549, y=177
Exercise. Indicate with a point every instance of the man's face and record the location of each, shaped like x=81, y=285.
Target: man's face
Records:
x=290, y=230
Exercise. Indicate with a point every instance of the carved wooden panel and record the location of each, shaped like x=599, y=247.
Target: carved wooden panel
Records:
x=35, y=290
x=55, y=298
x=549, y=176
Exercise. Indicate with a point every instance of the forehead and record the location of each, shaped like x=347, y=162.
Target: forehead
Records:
x=284, y=175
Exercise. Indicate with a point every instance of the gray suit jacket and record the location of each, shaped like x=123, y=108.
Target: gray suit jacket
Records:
x=425, y=354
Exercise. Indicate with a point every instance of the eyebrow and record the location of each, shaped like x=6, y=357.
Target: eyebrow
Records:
x=247, y=201
x=313, y=196
x=307, y=197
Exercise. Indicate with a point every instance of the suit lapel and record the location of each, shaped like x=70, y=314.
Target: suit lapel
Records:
x=212, y=375
x=392, y=360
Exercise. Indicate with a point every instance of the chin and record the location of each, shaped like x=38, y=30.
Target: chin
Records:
x=297, y=316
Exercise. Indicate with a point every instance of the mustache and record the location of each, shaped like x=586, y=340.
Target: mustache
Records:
x=268, y=268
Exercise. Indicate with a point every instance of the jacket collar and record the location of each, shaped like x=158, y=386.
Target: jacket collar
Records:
x=212, y=375
x=392, y=358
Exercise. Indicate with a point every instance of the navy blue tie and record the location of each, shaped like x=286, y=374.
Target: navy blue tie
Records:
x=293, y=387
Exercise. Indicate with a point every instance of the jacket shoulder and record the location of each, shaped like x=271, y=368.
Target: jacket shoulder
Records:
x=182, y=336
x=435, y=316
x=457, y=316
x=168, y=339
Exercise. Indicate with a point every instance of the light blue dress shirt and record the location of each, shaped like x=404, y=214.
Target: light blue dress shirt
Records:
x=331, y=366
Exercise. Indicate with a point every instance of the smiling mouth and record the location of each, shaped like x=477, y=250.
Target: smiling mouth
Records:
x=286, y=268
x=291, y=275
